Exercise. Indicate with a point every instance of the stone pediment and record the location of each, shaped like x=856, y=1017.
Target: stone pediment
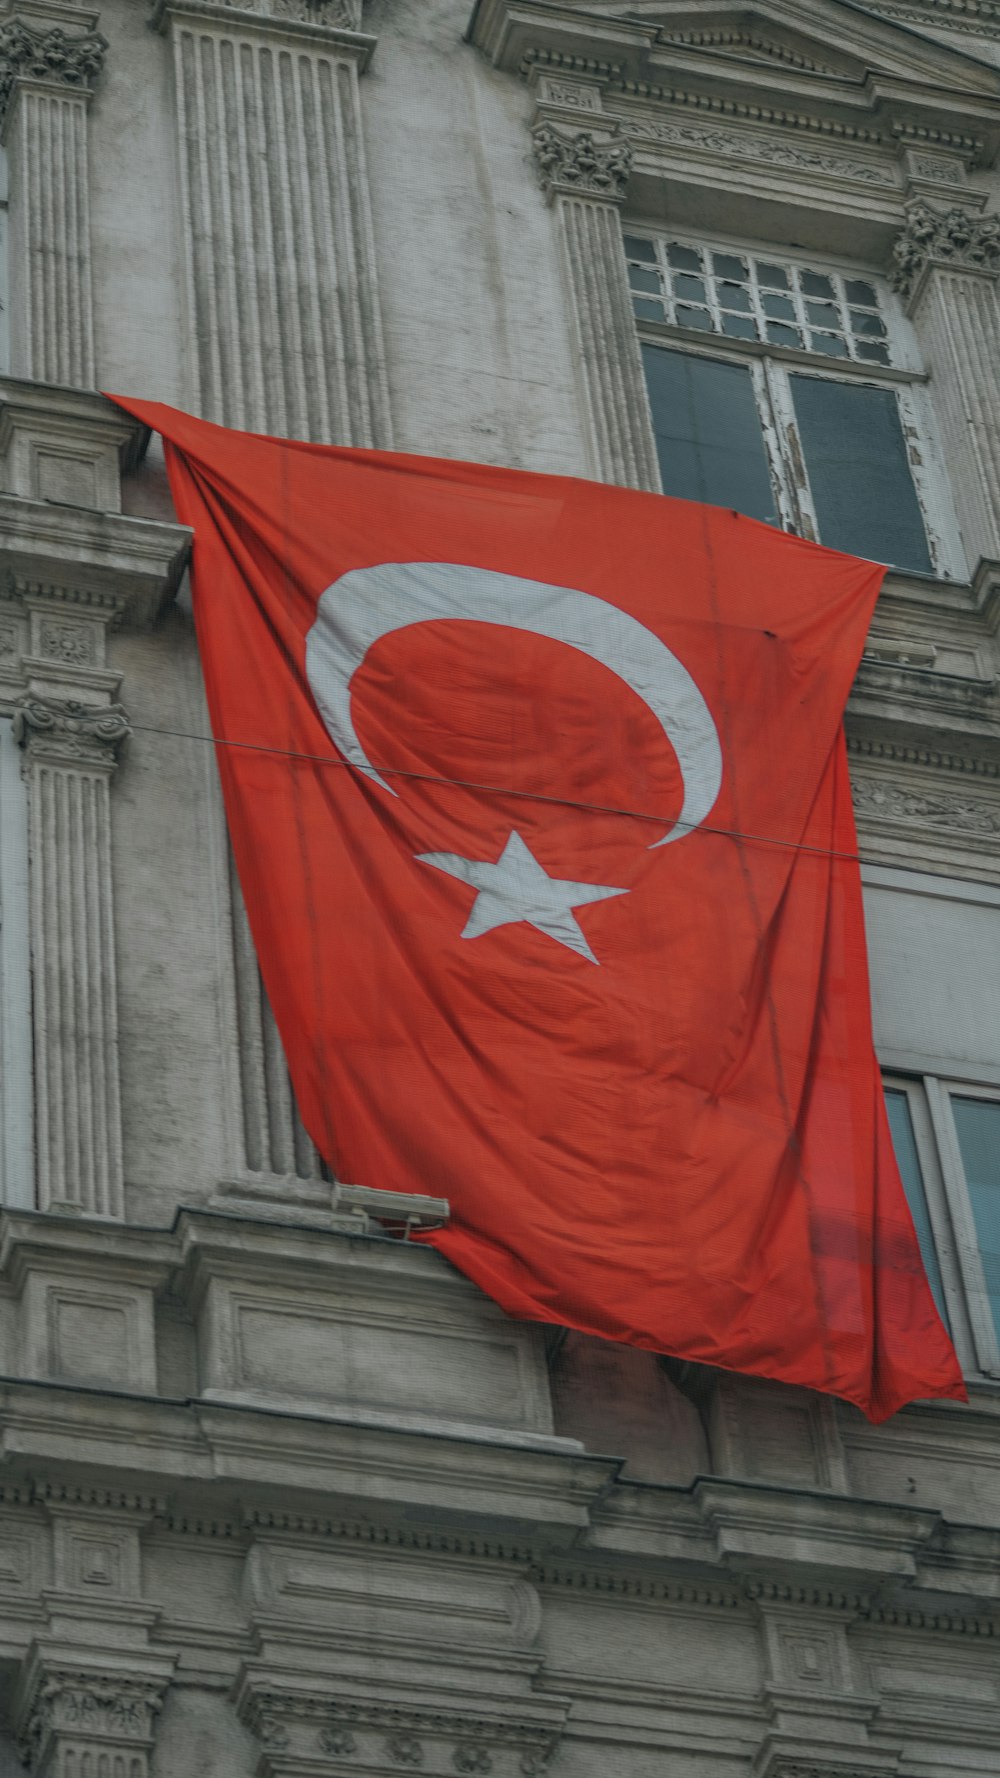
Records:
x=838, y=52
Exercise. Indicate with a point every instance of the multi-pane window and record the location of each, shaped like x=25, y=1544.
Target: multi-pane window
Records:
x=777, y=389
x=947, y=1142
x=751, y=298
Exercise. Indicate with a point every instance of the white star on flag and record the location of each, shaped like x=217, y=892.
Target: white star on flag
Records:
x=517, y=888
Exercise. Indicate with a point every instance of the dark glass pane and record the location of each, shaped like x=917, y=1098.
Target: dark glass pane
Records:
x=774, y=276
x=860, y=292
x=978, y=1124
x=640, y=279
x=708, y=434
x=780, y=335
x=728, y=266
x=855, y=456
x=831, y=343
x=822, y=314
x=684, y=258
x=734, y=296
x=908, y=1162
x=815, y=284
x=739, y=327
x=871, y=324
x=648, y=310
x=693, y=317
x=875, y=354
x=637, y=248
x=691, y=289
x=781, y=307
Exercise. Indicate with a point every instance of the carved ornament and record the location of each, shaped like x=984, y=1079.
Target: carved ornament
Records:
x=734, y=145
x=881, y=800
x=579, y=164
x=68, y=1704
x=71, y=733
x=48, y=52
x=953, y=239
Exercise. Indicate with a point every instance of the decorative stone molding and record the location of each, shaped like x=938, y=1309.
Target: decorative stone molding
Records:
x=887, y=801
x=954, y=239
x=578, y=164
x=438, y=1738
x=751, y=145
x=47, y=76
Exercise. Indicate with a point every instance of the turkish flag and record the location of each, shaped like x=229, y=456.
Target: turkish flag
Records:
x=539, y=799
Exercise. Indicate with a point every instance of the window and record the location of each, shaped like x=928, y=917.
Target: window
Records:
x=947, y=1141
x=781, y=389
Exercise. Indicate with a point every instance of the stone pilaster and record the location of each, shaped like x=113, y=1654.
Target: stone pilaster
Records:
x=285, y=317
x=947, y=269
x=71, y=731
x=280, y=259
x=47, y=75
x=585, y=177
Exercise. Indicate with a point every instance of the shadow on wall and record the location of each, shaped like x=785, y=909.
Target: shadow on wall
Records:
x=622, y=1403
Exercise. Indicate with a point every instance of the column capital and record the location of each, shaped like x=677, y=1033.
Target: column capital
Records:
x=41, y=51
x=70, y=1706
x=580, y=163
x=953, y=240
x=66, y=732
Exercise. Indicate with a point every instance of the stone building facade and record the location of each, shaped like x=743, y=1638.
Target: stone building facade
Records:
x=278, y=1495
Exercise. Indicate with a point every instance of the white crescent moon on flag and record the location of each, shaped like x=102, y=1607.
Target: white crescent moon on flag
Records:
x=368, y=603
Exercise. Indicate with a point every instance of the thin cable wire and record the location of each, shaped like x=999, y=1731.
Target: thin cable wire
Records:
x=333, y=759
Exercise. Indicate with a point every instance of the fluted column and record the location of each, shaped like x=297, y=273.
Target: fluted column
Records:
x=287, y=334
x=585, y=179
x=71, y=749
x=278, y=238
x=47, y=74
x=948, y=268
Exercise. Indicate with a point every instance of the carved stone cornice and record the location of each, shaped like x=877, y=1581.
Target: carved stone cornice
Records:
x=954, y=240
x=577, y=163
x=71, y=60
x=66, y=732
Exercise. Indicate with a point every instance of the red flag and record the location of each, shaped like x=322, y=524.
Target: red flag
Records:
x=539, y=799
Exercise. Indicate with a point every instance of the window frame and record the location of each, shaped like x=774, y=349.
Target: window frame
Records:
x=771, y=369
x=949, y=1209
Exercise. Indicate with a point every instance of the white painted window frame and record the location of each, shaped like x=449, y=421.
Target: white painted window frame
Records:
x=17, y=1154
x=950, y=1211
x=771, y=368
